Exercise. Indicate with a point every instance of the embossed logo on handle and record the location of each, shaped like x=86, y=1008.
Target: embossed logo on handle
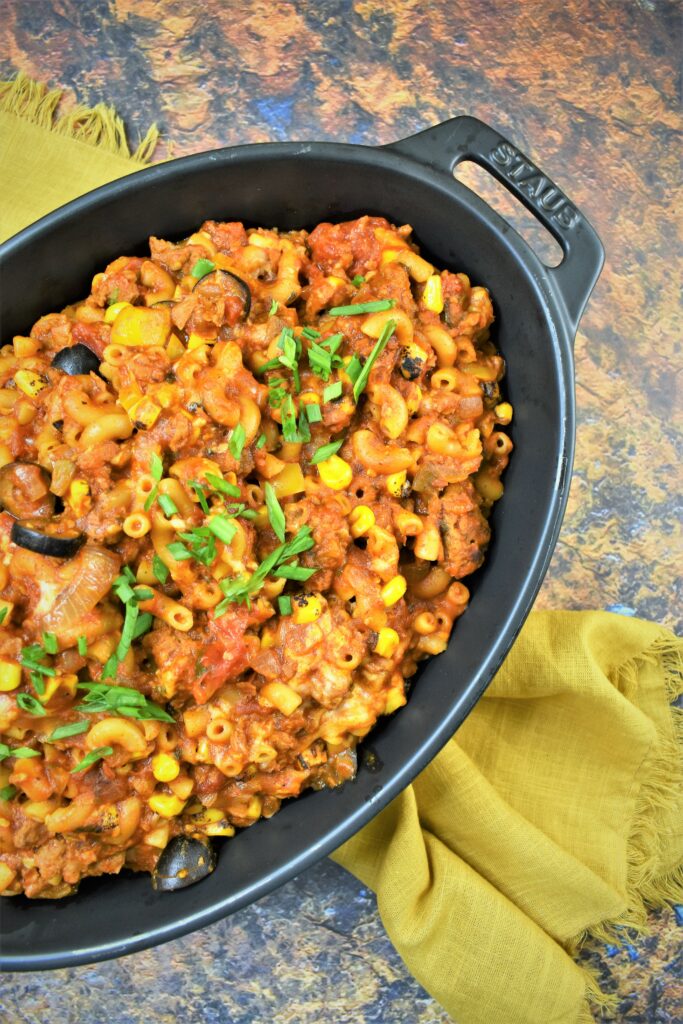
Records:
x=546, y=197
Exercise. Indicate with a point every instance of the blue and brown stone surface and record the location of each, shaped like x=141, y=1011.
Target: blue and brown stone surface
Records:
x=589, y=91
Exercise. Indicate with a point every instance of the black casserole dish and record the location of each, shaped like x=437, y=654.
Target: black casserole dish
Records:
x=296, y=185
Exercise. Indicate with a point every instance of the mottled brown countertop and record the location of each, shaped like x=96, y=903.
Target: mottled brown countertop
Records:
x=588, y=90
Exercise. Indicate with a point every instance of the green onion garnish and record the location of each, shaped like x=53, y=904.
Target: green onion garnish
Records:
x=236, y=442
x=310, y=333
x=293, y=572
x=202, y=268
x=7, y=792
x=29, y=703
x=363, y=307
x=358, y=280
x=167, y=505
x=289, y=430
x=223, y=528
x=290, y=355
x=72, y=729
x=24, y=752
x=326, y=451
x=313, y=413
x=261, y=441
x=354, y=368
x=120, y=700
x=179, y=551
x=156, y=467
x=284, y=603
x=92, y=758
x=222, y=486
x=273, y=308
x=242, y=588
x=201, y=496
x=82, y=646
x=160, y=569
x=380, y=345
x=50, y=643
x=332, y=391
x=3, y=614
x=275, y=513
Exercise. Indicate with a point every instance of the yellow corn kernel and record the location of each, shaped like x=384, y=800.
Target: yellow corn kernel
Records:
x=24, y=348
x=267, y=638
x=306, y=608
x=413, y=359
x=362, y=519
x=335, y=473
x=393, y=591
x=395, y=700
x=145, y=412
x=197, y=340
x=387, y=642
x=141, y=326
x=29, y=382
x=6, y=609
x=10, y=676
x=129, y=397
x=395, y=482
x=113, y=311
x=79, y=497
x=175, y=348
x=389, y=256
x=254, y=808
x=5, y=455
x=336, y=281
x=7, y=876
x=165, y=804
x=309, y=398
x=282, y=697
x=158, y=837
x=432, y=296
x=503, y=413
x=165, y=768
x=219, y=830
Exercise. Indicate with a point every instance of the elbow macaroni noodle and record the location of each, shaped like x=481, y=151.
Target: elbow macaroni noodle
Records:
x=266, y=497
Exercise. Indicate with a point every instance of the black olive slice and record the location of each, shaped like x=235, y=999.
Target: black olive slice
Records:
x=77, y=360
x=41, y=536
x=226, y=283
x=183, y=862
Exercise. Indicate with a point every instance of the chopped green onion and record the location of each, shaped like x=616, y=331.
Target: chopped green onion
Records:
x=313, y=413
x=242, y=588
x=358, y=280
x=92, y=758
x=332, y=391
x=82, y=646
x=223, y=528
x=202, y=268
x=3, y=614
x=354, y=368
x=303, y=430
x=38, y=683
x=143, y=624
x=284, y=603
x=179, y=551
x=289, y=430
x=167, y=505
x=275, y=513
x=310, y=333
x=50, y=643
x=120, y=700
x=236, y=442
x=363, y=307
x=71, y=729
x=201, y=496
x=273, y=308
x=7, y=792
x=272, y=364
x=380, y=345
x=222, y=485
x=261, y=441
x=293, y=572
x=290, y=355
x=160, y=569
x=29, y=703
x=24, y=752
x=156, y=467
x=326, y=450
x=151, y=498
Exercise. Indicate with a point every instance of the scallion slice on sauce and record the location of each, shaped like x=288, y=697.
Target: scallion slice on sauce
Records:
x=202, y=268
x=326, y=450
x=380, y=345
x=378, y=306
x=236, y=442
x=62, y=732
x=92, y=758
x=275, y=513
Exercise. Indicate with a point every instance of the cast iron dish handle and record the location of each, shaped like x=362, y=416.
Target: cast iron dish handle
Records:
x=446, y=145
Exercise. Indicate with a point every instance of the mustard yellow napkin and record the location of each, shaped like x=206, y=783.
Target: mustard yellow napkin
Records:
x=555, y=813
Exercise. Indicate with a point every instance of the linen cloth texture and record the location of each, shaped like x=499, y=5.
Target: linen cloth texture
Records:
x=555, y=812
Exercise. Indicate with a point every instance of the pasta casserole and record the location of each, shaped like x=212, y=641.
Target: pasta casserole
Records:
x=240, y=483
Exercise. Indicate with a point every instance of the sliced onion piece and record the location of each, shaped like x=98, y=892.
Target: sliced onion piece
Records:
x=93, y=574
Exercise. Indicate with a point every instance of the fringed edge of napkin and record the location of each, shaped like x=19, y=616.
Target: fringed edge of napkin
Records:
x=660, y=792
x=97, y=126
